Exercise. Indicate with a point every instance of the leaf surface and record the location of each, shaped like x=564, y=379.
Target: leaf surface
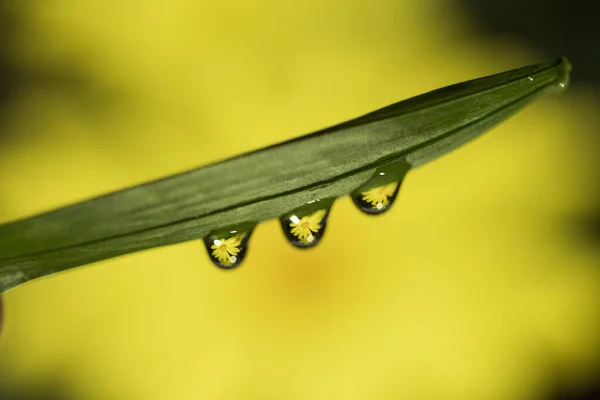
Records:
x=269, y=182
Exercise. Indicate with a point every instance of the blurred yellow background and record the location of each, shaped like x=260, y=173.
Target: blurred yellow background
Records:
x=471, y=287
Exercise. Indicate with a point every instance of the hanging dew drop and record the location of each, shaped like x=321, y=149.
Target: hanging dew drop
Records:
x=376, y=201
x=227, y=249
x=378, y=194
x=305, y=228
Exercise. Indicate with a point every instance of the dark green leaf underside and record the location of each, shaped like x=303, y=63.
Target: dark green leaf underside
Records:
x=267, y=183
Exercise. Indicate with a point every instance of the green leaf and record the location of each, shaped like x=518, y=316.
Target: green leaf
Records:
x=267, y=183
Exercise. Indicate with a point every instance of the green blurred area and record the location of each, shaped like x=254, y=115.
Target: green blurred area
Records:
x=472, y=287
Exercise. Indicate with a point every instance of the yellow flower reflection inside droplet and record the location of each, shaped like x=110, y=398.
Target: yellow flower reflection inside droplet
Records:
x=226, y=250
x=303, y=228
x=379, y=197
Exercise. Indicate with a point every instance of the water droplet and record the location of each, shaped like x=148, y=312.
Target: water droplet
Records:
x=227, y=249
x=305, y=228
x=562, y=84
x=376, y=200
x=530, y=78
